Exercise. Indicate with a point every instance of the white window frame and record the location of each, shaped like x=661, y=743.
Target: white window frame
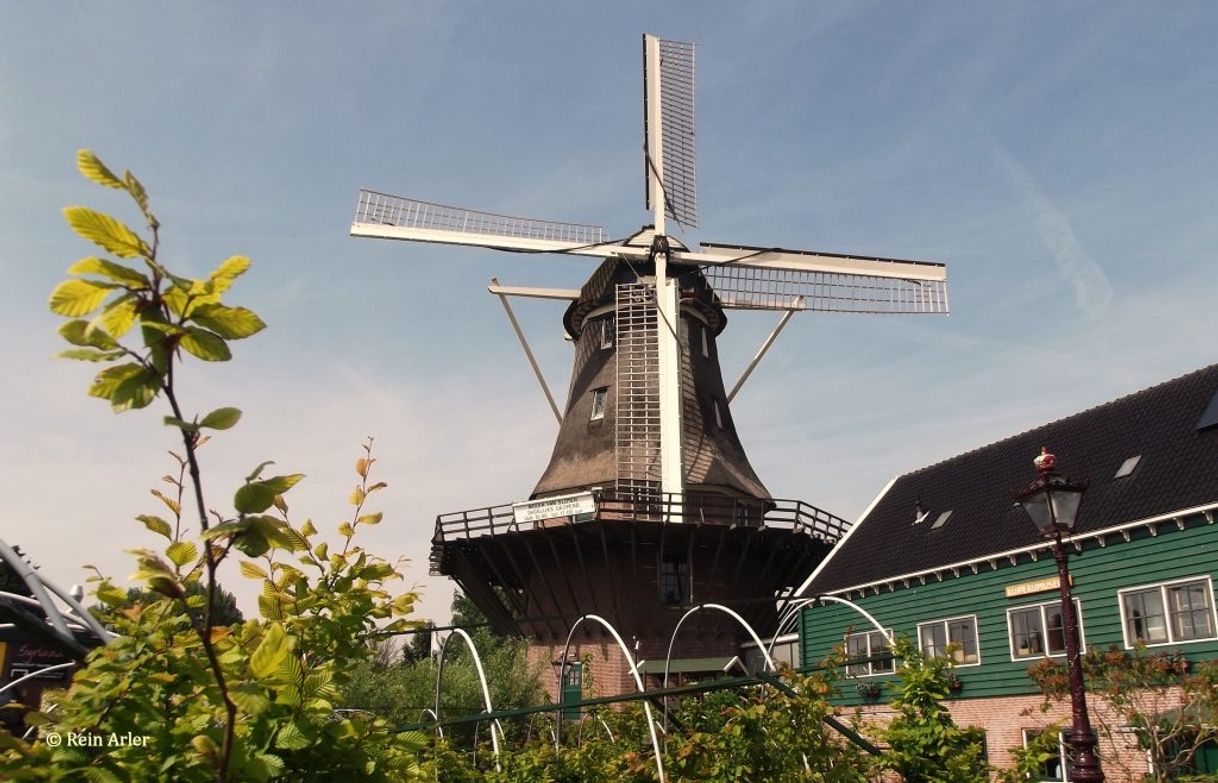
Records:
x=1063, y=757
x=869, y=664
x=1163, y=587
x=947, y=636
x=600, y=399
x=1078, y=616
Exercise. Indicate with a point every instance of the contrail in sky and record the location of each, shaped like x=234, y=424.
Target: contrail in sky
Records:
x=1091, y=288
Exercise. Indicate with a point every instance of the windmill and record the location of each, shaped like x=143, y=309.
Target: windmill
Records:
x=647, y=455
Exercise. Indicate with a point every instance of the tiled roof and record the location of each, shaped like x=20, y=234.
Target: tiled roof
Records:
x=1178, y=470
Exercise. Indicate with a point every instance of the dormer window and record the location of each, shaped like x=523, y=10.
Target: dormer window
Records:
x=1128, y=466
x=598, y=402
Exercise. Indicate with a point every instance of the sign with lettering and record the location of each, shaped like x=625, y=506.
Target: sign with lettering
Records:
x=550, y=508
x=29, y=658
x=1036, y=586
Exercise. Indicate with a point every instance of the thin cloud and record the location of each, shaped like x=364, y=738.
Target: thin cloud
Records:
x=1092, y=290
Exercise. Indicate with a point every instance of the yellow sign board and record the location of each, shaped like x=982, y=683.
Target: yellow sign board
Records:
x=1035, y=586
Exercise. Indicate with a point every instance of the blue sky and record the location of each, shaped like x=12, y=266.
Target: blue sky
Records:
x=1059, y=158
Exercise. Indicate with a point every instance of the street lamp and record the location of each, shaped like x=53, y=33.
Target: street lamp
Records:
x=1052, y=502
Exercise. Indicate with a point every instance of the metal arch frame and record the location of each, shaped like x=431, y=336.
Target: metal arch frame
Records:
x=634, y=671
x=429, y=711
x=42, y=590
x=690, y=613
x=793, y=612
x=496, y=729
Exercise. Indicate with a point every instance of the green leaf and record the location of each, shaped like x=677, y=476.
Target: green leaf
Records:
x=256, y=472
x=231, y=323
x=106, y=232
x=156, y=525
x=75, y=297
x=106, y=383
x=93, y=169
x=252, y=543
x=182, y=552
x=271, y=651
x=206, y=345
x=186, y=426
x=117, y=272
x=291, y=737
x=136, y=391
x=89, y=355
x=78, y=333
x=257, y=496
x=221, y=419
x=250, y=698
x=370, y=519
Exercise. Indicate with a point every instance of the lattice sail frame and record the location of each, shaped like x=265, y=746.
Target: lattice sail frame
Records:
x=754, y=288
x=679, y=168
x=383, y=209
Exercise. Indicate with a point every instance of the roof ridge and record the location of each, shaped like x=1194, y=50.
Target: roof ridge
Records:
x=1123, y=399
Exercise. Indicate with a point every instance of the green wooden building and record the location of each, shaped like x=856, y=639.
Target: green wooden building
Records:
x=944, y=557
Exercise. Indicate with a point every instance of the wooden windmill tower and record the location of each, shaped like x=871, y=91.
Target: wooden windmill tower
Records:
x=648, y=504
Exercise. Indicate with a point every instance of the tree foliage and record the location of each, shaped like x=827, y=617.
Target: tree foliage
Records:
x=180, y=695
x=1170, y=704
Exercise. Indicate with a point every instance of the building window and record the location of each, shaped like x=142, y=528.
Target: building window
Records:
x=872, y=645
x=674, y=581
x=1169, y=613
x=960, y=633
x=1037, y=631
x=608, y=332
x=598, y=402
x=718, y=414
x=705, y=340
x=1055, y=768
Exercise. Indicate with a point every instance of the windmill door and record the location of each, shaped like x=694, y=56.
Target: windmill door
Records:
x=572, y=690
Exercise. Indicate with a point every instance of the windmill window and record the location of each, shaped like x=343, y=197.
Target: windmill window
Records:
x=1209, y=417
x=674, y=582
x=718, y=414
x=1127, y=466
x=608, y=332
x=871, y=654
x=705, y=341
x=942, y=519
x=957, y=633
x=1169, y=613
x=598, y=402
x=1039, y=630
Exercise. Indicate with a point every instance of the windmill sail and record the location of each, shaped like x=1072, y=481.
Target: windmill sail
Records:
x=395, y=217
x=670, y=148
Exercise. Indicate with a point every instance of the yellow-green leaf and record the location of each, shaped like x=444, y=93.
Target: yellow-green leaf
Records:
x=206, y=345
x=89, y=354
x=357, y=496
x=156, y=525
x=118, y=317
x=221, y=418
x=78, y=333
x=93, y=169
x=138, y=194
x=250, y=698
x=106, y=232
x=76, y=297
x=116, y=272
x=230, y=269
x=308, y=528
x=168, y=501
x=370, y=519
x=253, y=570
x=231, y=323
x=182, y=552
x=271, y=651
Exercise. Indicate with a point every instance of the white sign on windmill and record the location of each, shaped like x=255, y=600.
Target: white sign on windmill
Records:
x=743, y=277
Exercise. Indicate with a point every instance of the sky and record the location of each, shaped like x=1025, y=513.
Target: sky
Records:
x=1059, y=158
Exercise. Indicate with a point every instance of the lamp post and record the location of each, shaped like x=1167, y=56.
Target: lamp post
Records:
x=1052, y=502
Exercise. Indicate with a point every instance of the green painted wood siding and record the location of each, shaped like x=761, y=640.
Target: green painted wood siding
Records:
x=1098, y=574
